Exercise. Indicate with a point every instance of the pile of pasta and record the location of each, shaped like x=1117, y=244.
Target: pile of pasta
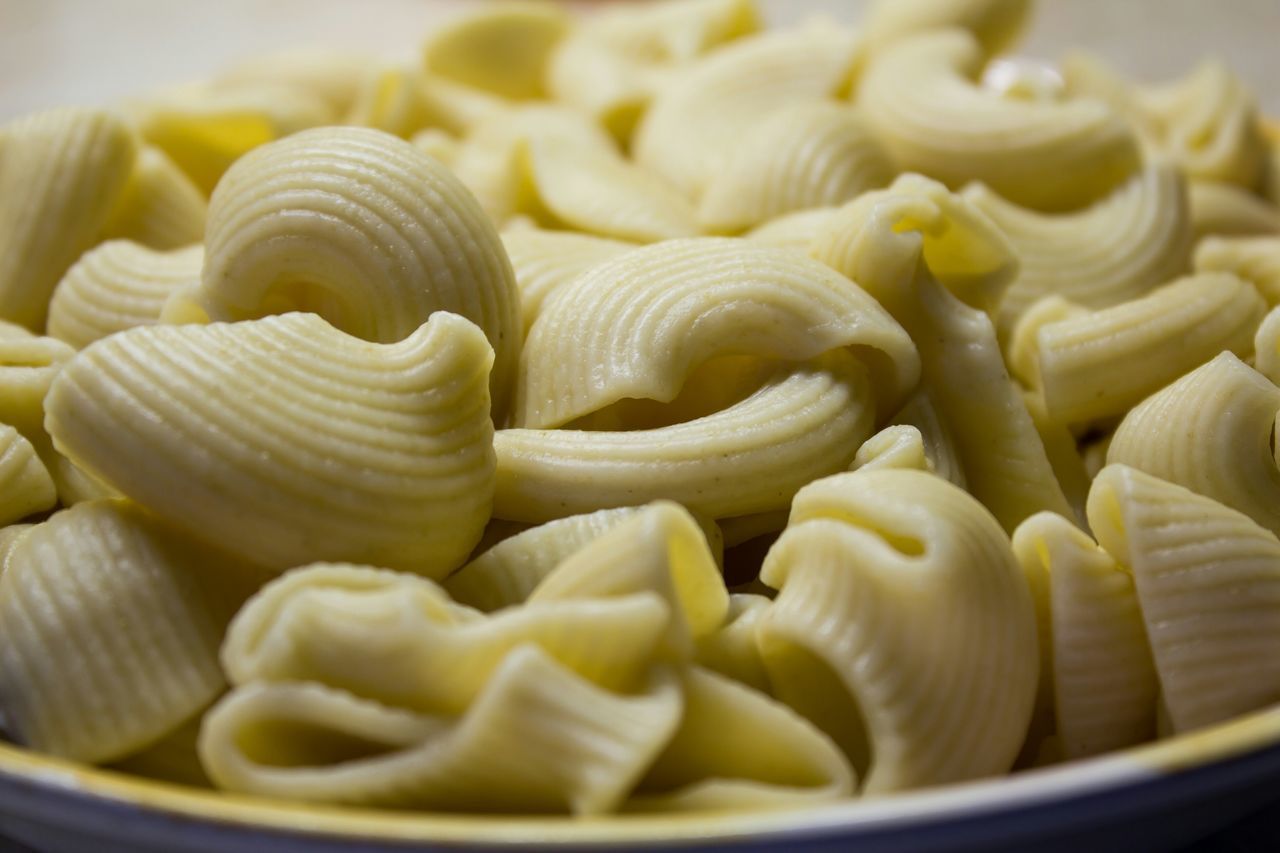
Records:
x=640, y=413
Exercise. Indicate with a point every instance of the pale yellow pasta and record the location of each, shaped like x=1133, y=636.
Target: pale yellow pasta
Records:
x=705, y=766
x=731, y=649
x=1155, y=339
x=920, y=97
x=392, y=99
x=910, y=247
x=118, y=285
x=692, y=129
x=903, y=628
x=898, y=446
x=996, y=24
x=1255, y=259
x=1226, y=209
x=507, y=573
x=1208, y=581
x=361, y=228
x=25, y=485
x=799, y=157
x=1063, y=452
x=538, y=738
x=1102, y=677
x=110, y=624
x=1266, y=346
x=793, y=230
x=312, y=444
x=438, y=143
x=611, y=64
x=61, y=174
x=1117, y=249
x=921, y=413
x=206, y=128
x=9, y=536
x=636, y=326
x=1211, y=432
x=161, y=207
x=804, y=422
x=545, y=261
x=330, y=75
x=504, y=48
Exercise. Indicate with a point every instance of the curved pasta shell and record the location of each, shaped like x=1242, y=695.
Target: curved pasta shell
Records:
x=656, y=313
x=366, y=231
x=1208, y=581
x=544, y=261
x=537, y=739
x=392, y=99
x=996, y=24
x=508, y=573
x=611, y=64
x=806, y=422
x=893, y=447
x=1255, y=259
x=1117, y=249
x=1063, y=453
x=205, y=128
x=793, y=230
x=930, y=258
x=1157, y=337
x=1266, y=346
x=289, y=441
x=731, y=649
x=133, y=609
x=704, y=767
x=329, y=624
x=503, y=48
x=920, y=97
x=116, y=286
x=693, y=126
x=1103, y=678
x=922, y=414
x=61, y=175
x=903, y=627
x=658, y=549
x=1210, y=432
x=803, y=156
x=161, y=207
x=25, y=485
x=1226, y=209
x=9, y=536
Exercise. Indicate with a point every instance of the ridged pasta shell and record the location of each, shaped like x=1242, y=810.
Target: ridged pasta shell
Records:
x=920, y=97
x=1229, y=210
x=134, y=610
x=807, y=421
x=903, y=627
x=1208, y=581
x=799, y=157
x=731, y=649
x=25, y=484
x=116, y=286
x=538, y=738
x=1102, y=676
x=692, y=129
x=921, y=413
x=1117, y=249
x=62, y=174
x=288, y=441
x=654, y=314
x=544, y=261
x=366, y=231
x=161, y=207
x=1266, y=346
x=894, y=447
x=793, y=230
x=1210, y=432
x=502, y=48
x=1255, y=259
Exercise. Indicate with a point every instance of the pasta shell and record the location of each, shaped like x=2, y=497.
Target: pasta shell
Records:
x=62, y=174
x=996, y=24
x=545, y=261
x=894, y=447
x=1228, y=210
x=1208, y=582
x=503, y=48
x=920, y=97
x=289, y=441
x=1254, y=259
x=25, y=485
x=116, y=286
x=793, y=230
x=903, y=628
x=331, y=76
x=161, y=207
x=731, y=649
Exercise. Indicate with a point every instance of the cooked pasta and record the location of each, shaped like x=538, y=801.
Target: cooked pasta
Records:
x=1226, y=209
x=374, y=453
x=996, y=24
x=1254, y=259
x=161, y=207
x=503, y=49
x=25, y=485
x=116, y=286
x=545, y=261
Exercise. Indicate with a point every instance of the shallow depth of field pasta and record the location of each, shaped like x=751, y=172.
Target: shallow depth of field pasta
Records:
x=640, y=412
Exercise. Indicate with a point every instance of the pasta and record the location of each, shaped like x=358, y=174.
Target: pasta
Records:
x=62, y=174
x=116, y=286
x=378, y=453
x=290, y=229
x=639, y=413
x=919, y=96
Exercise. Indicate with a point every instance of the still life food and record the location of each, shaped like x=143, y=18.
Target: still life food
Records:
x=640, y=412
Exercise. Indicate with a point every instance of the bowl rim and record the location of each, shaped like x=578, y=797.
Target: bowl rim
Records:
x=59, y=785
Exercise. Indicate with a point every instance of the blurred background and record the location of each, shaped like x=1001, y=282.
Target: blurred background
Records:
x=55, y=52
